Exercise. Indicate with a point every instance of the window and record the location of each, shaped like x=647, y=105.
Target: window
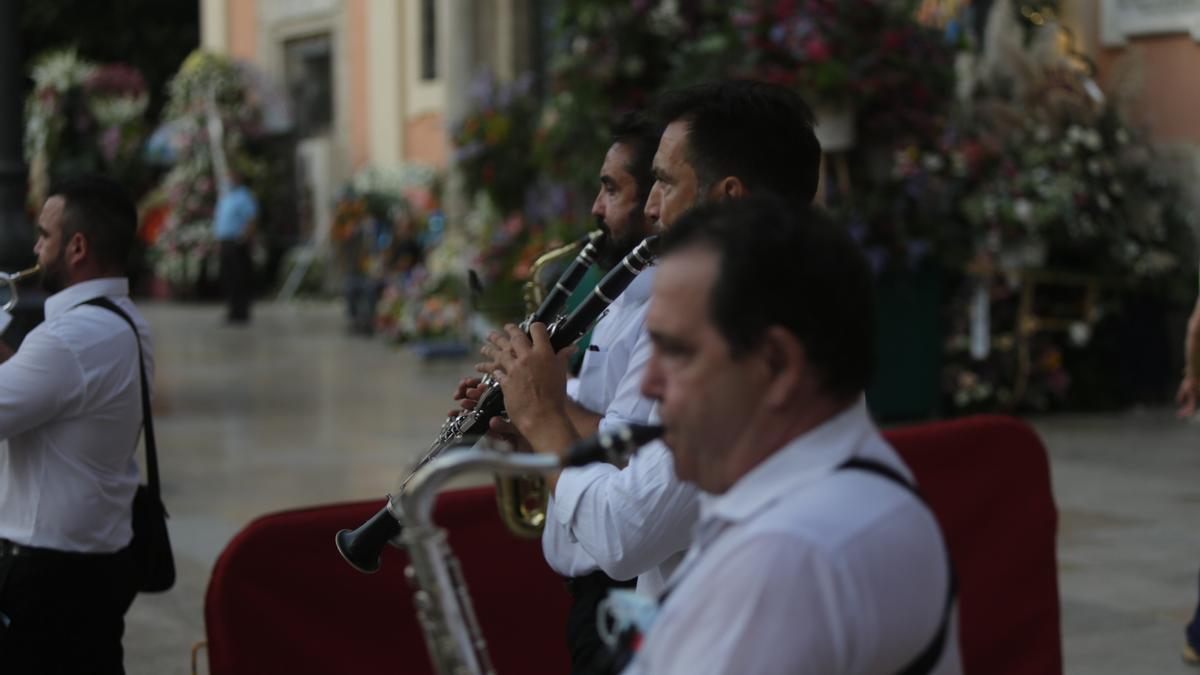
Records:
x=428, y=40
x=307, y=68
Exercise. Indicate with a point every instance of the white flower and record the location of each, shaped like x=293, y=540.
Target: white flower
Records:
x=933, y=162
x=665, y=19
x=1079, y=333
x=1103, y=201
x=61, y=70
x=1091, y=140
x=118, y=110
x=1023, y=210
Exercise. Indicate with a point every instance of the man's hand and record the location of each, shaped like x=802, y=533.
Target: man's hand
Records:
x=532, y=377
x=466, y=395
x=1188, y=396
x=506, y=431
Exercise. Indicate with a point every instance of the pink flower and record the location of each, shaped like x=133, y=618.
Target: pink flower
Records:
x=817, y=50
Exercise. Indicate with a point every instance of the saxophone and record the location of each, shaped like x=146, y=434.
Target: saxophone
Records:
x=522, y=499
x=473, y=424
x=443, y=604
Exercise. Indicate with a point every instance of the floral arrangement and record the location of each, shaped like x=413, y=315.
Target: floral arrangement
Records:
x=492, y=141
x=379, y=206
x=870, y=55
x=1058, y=181
x=205, y=82
x=185, y=254
x=83, y=116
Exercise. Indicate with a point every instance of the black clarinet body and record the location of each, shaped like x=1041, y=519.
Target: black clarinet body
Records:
x=361, y=547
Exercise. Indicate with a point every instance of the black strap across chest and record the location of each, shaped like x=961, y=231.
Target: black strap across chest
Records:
x=927, y=660
x=147, y=418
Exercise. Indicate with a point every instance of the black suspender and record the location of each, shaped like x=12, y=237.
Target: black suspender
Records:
x=147, y=418
x=927, y=660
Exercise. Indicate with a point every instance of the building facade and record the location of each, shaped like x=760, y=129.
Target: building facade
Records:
x=372, y=82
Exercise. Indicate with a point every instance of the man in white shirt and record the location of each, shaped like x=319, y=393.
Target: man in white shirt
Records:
x=70, y=415
x=812, y=554
x=722, y=141
x=607, y=389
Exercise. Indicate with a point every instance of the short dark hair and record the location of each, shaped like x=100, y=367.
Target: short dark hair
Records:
x=640, y=134
x=788, y=266
x=761, y=133
x=100, y=209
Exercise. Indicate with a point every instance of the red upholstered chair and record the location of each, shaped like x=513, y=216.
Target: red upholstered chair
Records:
x=987, y=479
x=281, y=600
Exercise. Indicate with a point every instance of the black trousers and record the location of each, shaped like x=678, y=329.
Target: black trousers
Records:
x=237, y=276
x=64, y=613
x=589, y=656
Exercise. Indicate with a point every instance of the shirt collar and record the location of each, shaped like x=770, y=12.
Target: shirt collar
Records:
x=84, y=291
x=638, y=290
x=802, y=461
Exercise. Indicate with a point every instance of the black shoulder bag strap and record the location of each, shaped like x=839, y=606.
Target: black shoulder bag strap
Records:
x=927, y=660
x=147, y=418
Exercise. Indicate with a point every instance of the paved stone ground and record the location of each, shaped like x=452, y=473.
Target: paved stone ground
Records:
x=291, y=411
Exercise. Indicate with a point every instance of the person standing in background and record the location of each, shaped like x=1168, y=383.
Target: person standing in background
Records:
x=234, y=222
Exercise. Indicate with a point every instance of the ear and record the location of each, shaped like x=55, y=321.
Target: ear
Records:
x=77, y=249
x=729, y=187
x=787, y=364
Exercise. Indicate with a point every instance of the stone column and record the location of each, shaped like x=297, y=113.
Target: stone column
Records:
x=458, y=42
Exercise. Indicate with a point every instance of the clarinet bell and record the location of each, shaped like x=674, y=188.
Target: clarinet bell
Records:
x=363, y=547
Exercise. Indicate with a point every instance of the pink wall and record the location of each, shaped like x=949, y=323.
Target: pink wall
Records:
x=425, y=139
x=243, y=29
x=1169, y=68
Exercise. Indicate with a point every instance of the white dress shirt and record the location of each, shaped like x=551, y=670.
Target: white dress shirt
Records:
x=632, y=521
x=803, y=569
x=71, y=412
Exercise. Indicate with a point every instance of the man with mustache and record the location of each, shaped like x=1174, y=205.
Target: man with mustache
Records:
x=606, y=390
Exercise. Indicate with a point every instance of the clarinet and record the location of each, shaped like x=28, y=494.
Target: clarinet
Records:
x=473, y=423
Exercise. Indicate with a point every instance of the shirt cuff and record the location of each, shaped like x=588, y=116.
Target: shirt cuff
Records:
x=5, y=319
x=572, y=483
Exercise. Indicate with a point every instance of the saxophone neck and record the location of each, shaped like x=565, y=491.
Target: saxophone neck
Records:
x=422, y=488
